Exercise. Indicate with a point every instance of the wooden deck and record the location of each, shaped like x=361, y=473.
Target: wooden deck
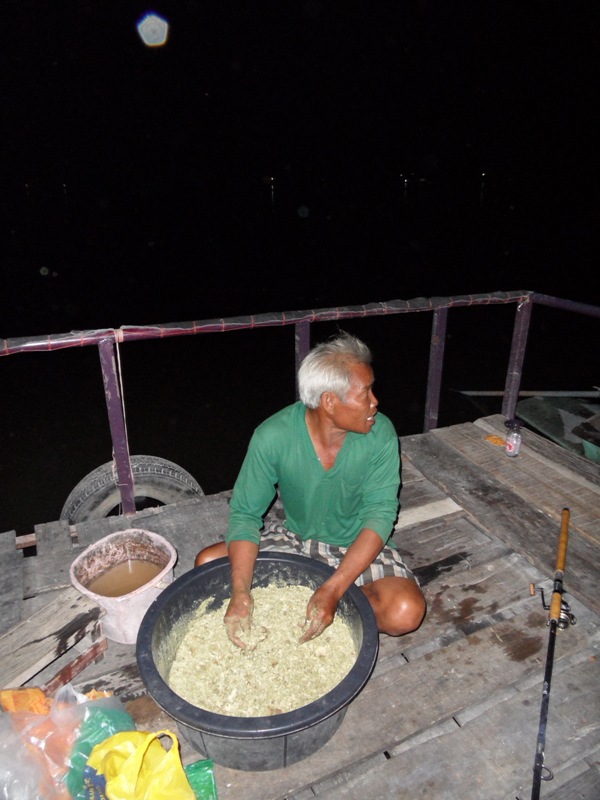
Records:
x=451, y=710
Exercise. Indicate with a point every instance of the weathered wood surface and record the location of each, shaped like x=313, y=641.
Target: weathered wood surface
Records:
x=11, y=591
x=39, y=640
x=452, y=709
x=491, y=753
x=519, y=500
x=584, y=786
x=49, y=569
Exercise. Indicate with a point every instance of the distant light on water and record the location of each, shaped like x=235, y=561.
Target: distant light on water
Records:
x=153, y=30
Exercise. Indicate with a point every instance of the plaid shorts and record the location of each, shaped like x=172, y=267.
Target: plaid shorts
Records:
x=388, y=563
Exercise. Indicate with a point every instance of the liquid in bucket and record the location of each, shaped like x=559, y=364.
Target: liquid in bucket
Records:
x=124, y=578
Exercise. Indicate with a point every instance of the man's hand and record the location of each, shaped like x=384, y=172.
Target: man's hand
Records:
x=323, y=604
x=238, y=617
x=319, y=612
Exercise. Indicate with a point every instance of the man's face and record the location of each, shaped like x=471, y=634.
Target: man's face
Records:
x=357, y=412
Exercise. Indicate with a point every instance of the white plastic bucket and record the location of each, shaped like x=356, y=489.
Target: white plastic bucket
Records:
x=124, y=614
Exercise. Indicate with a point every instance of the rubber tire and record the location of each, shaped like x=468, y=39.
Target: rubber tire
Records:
x=155, y=478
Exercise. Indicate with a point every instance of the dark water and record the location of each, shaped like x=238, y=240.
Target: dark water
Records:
x=273, y=159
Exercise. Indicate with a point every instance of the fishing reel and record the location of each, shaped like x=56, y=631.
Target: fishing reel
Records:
x=565, y=618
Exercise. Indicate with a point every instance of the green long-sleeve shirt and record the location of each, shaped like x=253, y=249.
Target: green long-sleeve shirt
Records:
x=359, y=491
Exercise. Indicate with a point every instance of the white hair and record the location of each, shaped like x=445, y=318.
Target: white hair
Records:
x=327, y=368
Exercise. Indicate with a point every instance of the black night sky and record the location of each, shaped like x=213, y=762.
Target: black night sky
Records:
x=274, y=156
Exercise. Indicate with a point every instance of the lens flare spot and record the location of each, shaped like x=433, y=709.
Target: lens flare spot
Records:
x=153, y=30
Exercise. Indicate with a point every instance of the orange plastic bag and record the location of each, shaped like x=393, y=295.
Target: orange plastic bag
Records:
x=25, y=699
x=134, y=765
x=49, y=735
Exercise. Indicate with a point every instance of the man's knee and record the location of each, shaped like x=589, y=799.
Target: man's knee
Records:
x=210, y=553
x=398, y=603
x=407, y=613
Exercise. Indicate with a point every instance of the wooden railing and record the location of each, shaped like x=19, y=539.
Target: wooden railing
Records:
x=107, y=340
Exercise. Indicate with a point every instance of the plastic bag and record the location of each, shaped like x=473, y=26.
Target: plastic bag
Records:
x=50, y=737
x=201, y=776
x=22, y=773
x=136, y=766
x=59, y=734
x=102, y=718
x=31, y=699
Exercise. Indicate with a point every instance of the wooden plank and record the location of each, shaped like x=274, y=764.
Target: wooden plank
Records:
x=537, y=479
x=423, y=513
x=470, y=601
x=37, y=641
x=492, y=755
x=409, y=474
x=52, y=538
x=189, y=526
x=547, y=485
x=499, y=510
x=442, y=545
x=67, y=673
x=418, y=493
x=585, y=786
x=445, y=769
x=124, y=682
x=536, y=476
x=547, y=449
x=11, y=590
x=469, y=594
x=90, y=531
x=49, y=568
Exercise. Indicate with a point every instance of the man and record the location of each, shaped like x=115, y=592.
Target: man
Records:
x=336, y=463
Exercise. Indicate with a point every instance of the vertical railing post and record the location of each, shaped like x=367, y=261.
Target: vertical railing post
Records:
x=516, y=359
x=116, y=419
x=436, y=364
x=301, y=344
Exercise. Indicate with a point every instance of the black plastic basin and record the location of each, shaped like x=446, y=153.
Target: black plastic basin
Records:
x=251, y=743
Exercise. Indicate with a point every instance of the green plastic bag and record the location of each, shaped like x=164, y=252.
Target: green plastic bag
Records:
x=102, y=719
x=202, y=779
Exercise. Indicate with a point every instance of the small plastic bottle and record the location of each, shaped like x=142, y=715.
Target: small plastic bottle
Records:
x=513, y=437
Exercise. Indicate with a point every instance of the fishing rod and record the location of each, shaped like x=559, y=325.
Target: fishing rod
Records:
x=559, y=618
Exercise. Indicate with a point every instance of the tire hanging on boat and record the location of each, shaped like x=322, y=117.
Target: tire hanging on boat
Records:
x=157, y=482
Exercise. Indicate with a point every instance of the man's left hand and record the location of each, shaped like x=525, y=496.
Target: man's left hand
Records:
x=320, y=612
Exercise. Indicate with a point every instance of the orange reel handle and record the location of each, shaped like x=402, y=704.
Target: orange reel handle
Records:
x=561, y=560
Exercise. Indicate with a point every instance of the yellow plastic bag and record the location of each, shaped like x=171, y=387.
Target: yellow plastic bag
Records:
x=136, y=766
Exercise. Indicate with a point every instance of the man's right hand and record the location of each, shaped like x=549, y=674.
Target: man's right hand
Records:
x=238, y=617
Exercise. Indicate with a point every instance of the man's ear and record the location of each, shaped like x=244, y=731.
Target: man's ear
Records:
x=328, y=400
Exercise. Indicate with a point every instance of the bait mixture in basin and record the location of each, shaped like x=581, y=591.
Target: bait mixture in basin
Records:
x=275, y=673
